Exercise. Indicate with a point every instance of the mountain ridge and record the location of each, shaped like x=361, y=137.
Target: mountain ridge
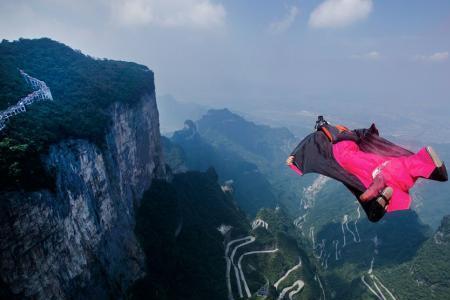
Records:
x=71, y=234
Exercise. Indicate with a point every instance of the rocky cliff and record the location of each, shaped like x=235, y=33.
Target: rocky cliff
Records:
x=77, y=241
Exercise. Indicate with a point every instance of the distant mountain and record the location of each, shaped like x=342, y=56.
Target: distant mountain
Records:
x=252, y=191
x=255, y=142
x=264, y=146
x=173, y=113
x=249, y=155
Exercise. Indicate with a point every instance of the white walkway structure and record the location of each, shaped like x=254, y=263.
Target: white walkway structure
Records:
x=41, y=92
x=259, y=223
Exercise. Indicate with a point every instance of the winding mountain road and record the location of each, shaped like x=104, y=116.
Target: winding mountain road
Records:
x=229, y=262
x=247, y=290
x=316, y=277
x=356, y=221
x=299, y=284
x=236, y=270
x=376, y=282
x=370, y=288
x=348, y=229
x=384, y=287
x=287, y=273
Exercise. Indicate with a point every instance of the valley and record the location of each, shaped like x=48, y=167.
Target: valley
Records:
x=96, y=204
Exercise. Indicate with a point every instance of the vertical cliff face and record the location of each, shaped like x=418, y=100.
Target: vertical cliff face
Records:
x=78, y=241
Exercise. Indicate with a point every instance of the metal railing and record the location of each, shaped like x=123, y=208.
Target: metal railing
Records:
x=41, y=93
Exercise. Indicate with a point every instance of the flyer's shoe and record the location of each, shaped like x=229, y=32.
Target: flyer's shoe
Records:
x=385, y=196
x=440, y=172
x=377, y=207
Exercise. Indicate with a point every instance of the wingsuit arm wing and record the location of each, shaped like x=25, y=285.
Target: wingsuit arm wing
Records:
x=307, y=153
x=314, y=154
x=296, y=165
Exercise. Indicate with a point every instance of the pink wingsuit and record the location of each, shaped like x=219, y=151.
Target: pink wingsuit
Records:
x=400, y=173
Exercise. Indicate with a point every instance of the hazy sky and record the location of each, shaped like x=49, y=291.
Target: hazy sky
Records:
x=270, y=54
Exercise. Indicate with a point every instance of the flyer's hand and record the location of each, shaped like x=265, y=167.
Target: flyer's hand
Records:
x=290, y=160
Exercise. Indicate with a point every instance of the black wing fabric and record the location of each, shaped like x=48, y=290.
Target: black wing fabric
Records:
x=371, y=142
x=314, y=154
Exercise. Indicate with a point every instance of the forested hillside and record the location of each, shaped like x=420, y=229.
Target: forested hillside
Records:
x=189, y=229
x=83, y=88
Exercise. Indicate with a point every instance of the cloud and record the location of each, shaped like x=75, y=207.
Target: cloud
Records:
x=339, y=13
x=435, y=57
x=284, y=24
x=372, y=55
x=168, y=13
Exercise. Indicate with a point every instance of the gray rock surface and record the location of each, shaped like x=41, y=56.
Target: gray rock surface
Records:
x=78, y=242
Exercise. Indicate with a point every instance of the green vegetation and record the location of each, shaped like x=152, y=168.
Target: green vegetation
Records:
x=177, y=225
x=83, y=88
x=427, y=276
x=283, y=235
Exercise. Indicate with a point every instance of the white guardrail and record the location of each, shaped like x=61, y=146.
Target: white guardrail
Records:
x=41, y=92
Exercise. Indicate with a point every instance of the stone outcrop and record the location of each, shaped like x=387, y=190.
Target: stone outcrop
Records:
x=78, y=240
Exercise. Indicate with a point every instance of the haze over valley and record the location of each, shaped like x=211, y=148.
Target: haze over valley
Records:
x=143, y=148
